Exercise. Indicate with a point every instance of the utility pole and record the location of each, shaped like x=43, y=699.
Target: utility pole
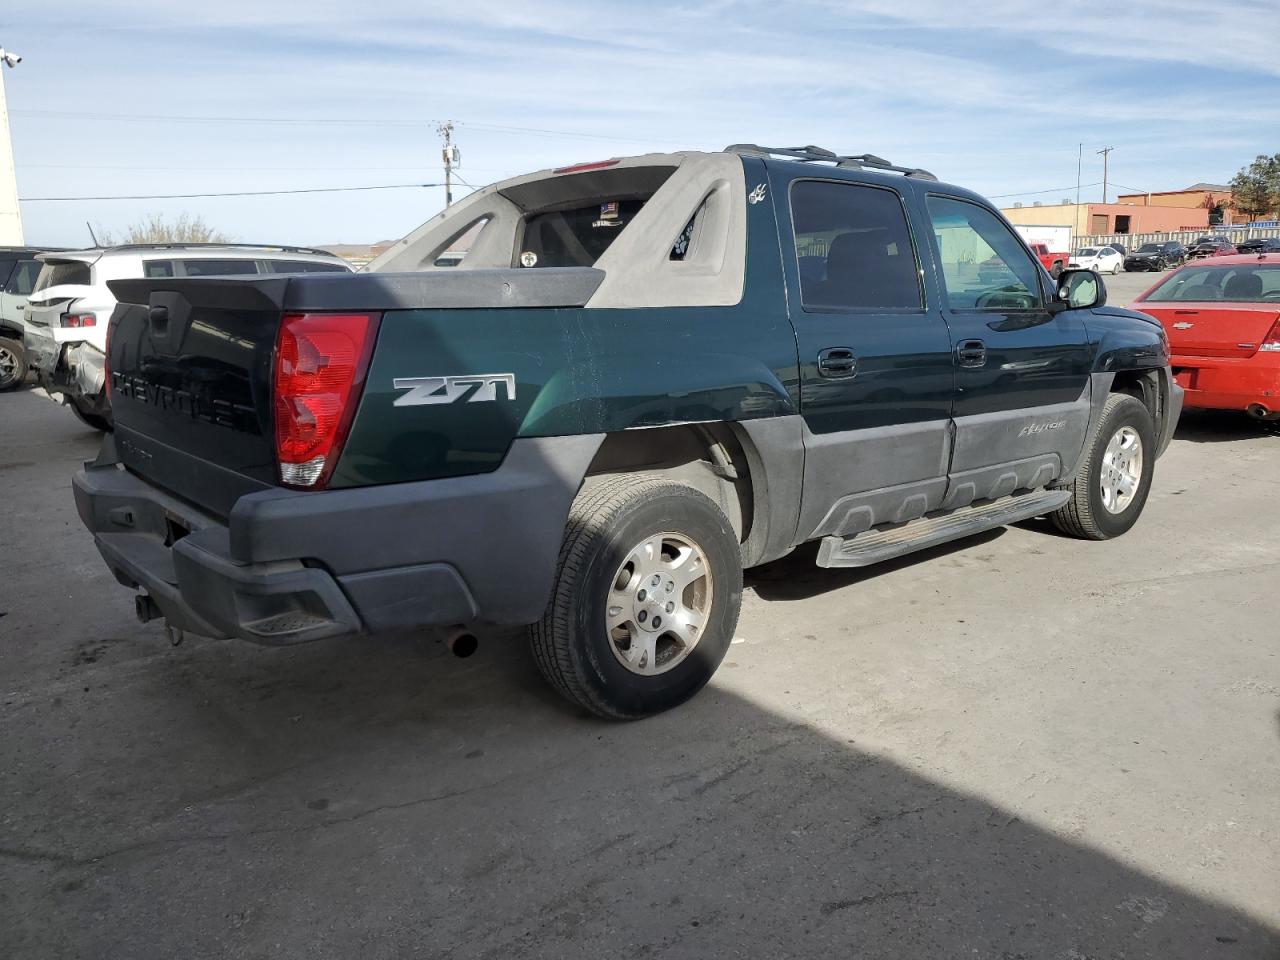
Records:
x=451, y=156
x=1079, y=165
x=1105, y=151
x=10, y=214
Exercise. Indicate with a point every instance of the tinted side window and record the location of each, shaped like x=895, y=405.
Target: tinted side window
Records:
x=853, y=248
x=218, y=268
x=984, y=264
x=23, y=279
x=305, y=266
x=157, y=268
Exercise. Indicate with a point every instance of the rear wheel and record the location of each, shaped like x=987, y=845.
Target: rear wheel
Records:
x=13, y=363
x=646, y=597
x=1056, y=270
x=1112, y=482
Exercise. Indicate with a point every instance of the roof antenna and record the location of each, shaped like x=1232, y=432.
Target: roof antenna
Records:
x=89, y=227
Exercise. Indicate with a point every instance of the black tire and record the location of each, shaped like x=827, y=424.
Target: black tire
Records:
x=13, y=363
x=92, y=420
x=1056, y=271
x=1085, y=515
x=609, y=519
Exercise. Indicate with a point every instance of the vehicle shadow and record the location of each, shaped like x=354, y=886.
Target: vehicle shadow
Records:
x=798, y=577
x=1222, y=426
x=380, y=800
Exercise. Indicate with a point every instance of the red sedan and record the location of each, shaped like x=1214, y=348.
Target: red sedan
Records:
x=1222, y=317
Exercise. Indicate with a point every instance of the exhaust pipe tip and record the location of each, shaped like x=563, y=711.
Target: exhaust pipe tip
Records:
x=145, y=608
x=1259, y=412
x=462, y=643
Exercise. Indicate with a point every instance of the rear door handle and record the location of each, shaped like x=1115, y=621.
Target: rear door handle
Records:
x=971, y=353
x=836, y=363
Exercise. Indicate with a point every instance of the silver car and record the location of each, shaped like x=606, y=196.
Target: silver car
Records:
x=68, y=311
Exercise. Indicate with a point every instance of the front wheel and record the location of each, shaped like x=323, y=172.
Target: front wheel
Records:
x=1115, y=269
x=646, y=597
x=13, y=363
x=1112, y=482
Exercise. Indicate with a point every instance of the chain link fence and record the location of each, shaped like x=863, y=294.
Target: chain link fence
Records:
x=1132, y=241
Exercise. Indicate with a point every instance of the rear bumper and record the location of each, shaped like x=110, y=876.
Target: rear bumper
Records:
x=295, y=566
x=76, y=369
x=1229, y=383
x=1173, y=411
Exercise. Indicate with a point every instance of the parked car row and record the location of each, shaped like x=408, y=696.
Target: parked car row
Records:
x=1161, y=256
x=57, y=304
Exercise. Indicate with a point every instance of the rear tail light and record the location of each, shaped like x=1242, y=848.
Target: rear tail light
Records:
x=1271, y=342
x=79, y=320
x=320, y=365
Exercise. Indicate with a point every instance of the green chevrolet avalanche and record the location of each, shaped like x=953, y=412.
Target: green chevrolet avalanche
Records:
x=584, y=400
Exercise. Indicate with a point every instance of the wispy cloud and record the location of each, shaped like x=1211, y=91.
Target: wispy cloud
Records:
x=996, y=96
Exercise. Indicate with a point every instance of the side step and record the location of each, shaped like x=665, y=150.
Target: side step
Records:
x=876, y=545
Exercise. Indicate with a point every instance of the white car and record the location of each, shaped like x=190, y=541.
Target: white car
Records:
x=68, y=311
x=1097, y=259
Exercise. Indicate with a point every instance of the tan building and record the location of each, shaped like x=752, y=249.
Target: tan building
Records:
x=1091, y=219
x=1213, y=197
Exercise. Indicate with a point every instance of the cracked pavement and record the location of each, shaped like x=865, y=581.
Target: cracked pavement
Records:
x=1016, y=746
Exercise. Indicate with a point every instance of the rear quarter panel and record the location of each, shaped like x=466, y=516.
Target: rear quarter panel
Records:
x=577, y=370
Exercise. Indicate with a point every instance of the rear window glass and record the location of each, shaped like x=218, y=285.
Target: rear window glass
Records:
x=23, y=279
x=57, y=274
x=576, y=237
x=853, y=248
x=157, y=269
x=305, y=266
x=218, y=268
x=1248, y=284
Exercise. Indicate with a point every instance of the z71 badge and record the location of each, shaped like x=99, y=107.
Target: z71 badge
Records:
x=476, y=387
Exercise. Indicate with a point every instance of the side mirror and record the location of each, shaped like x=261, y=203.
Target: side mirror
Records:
x=1080, y=290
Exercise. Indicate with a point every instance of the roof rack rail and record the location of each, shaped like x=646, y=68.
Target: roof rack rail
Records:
x=813, y=154
x=206, y=245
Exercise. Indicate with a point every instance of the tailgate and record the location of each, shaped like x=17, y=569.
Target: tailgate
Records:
x=190, y=379
x=1214, y=329
x=191, y=361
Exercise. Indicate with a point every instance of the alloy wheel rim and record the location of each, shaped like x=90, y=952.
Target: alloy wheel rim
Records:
x=658, y=604
x=8, y=365
x=1121, y=471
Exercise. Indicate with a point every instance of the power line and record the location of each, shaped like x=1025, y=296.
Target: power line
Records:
x=1034, y=193
x=322, y=121
x=239, y=193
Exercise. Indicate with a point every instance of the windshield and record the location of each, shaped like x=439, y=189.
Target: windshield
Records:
x=1247, y=284
x=1149, y=248
x=1087, y=252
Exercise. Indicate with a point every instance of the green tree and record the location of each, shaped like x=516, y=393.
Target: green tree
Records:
x=1255, y=190
x=156, y=228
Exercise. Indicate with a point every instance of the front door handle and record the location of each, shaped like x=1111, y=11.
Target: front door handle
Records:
x=971, y=353
x=837, y=363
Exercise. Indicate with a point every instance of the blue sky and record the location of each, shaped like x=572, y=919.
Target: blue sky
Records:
x=994, y=96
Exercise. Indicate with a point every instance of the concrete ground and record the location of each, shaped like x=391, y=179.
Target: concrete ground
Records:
x=1019, y=746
